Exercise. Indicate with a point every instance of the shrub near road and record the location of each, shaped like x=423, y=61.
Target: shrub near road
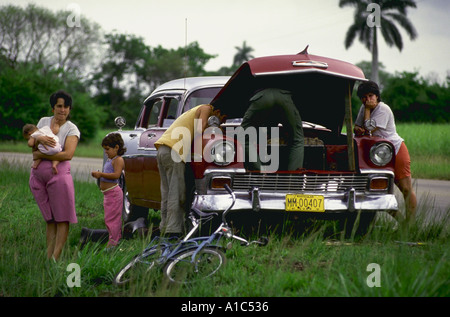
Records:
x=317, y=264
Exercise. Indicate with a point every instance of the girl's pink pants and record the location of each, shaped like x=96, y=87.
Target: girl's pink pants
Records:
x=112, y=203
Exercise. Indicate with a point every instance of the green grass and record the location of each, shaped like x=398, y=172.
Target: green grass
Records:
x=308, y=265
x=429, y=148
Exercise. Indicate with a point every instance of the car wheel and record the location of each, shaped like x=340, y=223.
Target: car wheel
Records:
x=131, y=212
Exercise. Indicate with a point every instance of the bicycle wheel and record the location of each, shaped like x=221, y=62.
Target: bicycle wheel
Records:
x=138, y=267
x=181, y=269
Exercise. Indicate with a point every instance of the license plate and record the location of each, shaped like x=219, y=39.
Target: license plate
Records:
x=309, y=203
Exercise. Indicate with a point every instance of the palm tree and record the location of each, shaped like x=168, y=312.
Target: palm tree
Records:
x=391, y=12
x=242, y=55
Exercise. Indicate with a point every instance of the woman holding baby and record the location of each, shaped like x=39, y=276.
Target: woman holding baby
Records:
x=54, y=192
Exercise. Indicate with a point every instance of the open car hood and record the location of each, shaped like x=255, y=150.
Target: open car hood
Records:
x=319, y=86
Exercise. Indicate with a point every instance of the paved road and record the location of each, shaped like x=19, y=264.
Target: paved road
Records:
x=433, y=198
x=433, y=195
x=81, y=167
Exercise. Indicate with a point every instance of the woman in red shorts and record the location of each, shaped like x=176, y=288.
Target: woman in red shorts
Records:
x=373, y=108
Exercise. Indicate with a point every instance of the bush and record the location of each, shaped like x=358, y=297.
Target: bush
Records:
x=21, y=101
x=413, y=99
x=86, y=115
x=24, y=98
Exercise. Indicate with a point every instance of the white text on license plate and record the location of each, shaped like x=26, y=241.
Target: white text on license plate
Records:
x=309, y=203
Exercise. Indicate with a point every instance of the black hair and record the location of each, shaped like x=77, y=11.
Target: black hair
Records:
x=368, y=87
x=61, y=94
x=113, y=139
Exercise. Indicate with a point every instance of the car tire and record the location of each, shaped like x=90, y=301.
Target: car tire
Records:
x=131, y=212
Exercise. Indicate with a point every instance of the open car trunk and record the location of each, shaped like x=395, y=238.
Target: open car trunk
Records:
x=321, y=93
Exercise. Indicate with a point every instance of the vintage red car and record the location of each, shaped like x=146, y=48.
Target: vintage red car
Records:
x=342, y=176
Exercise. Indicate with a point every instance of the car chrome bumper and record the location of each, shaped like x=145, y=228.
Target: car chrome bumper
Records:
x=333, y=203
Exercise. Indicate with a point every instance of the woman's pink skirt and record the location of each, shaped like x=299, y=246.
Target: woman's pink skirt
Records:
x=54, y=193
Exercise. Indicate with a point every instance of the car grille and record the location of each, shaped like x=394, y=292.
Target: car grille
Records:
x=299, y=182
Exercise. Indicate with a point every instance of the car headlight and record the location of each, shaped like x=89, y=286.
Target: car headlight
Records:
x=222, y=153
x=381, y=154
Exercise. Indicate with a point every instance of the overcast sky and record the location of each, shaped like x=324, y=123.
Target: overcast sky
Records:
x=270, y=27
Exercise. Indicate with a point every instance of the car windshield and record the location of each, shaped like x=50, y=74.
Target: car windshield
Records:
x=200, y=97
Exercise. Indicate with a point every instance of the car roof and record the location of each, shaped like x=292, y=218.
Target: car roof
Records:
x=190, y=83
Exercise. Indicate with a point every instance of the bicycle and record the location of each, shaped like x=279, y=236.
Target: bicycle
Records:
x=190, y=259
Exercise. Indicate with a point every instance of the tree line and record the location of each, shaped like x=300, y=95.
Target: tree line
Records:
x=411, y=97
x=106, y=73
x=112, y=73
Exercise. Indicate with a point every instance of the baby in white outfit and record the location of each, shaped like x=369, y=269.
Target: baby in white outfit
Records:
x=31, y=132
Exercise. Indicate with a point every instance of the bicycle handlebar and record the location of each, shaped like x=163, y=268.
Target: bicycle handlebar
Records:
x=228, y=189
x=233, y=197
